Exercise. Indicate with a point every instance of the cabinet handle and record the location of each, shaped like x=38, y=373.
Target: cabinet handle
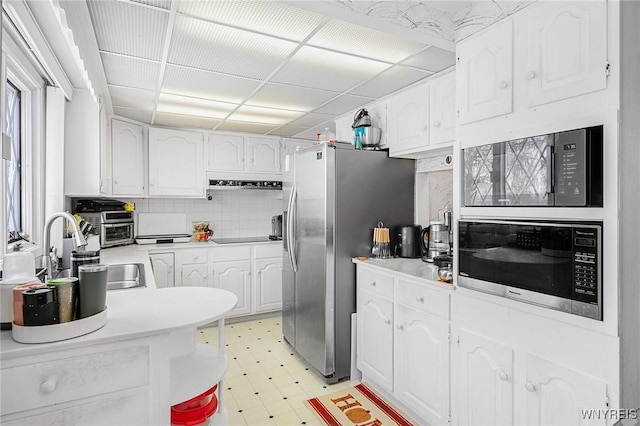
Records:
x=503, y=376
x=436, y=124
x=420, y=299
x=531, y=75
x=387, y=321
x=425, y=128
x=530, y=387
x=400, y=326
x=372, y=282
x=48, y=385
x=115, y=181
x=503, y=84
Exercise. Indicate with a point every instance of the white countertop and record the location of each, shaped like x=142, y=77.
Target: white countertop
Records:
x=410, y=268
x=138, y=313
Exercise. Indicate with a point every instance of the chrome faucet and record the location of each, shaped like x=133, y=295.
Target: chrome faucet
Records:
x=79, y=238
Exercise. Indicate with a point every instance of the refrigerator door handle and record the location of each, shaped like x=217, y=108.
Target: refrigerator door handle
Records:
x=290, y=228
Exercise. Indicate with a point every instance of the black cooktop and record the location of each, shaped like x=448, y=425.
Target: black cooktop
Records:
x=240, y=240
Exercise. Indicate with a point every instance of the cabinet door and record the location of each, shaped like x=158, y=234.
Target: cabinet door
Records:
x=443, y=111
x=375, y=338
x=421, y=363
x=483, y=386
x=262, y=155
x=484, y=71
x=127, y=163
x=225, y=152
x=267, y=289
x=408, y=120
x=195, y=275
x=163, y=265
x=235, y=277
x=566, y=50
x=176, y=165
x=557, y=395
x=344, y=132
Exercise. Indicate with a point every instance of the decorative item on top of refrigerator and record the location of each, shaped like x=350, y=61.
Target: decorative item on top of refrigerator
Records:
x=366, y=136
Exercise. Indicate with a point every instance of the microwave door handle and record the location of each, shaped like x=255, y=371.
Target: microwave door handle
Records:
x=548, y=153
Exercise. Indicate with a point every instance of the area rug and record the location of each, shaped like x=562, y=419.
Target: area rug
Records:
x=357, y=406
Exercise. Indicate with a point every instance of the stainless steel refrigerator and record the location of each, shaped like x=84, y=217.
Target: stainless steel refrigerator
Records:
x=334, y=197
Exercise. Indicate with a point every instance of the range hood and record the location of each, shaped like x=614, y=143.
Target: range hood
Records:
x=243, y=181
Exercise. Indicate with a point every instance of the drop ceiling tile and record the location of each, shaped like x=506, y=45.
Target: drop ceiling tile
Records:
x=312, y=133
x=132, y=98
x=117, y=24
x=162, y=4
x=130, y=72
x=245, y=126
x=343, y=104
x=389, y=81
x=173, y=104
x=227, y=50
x=181, y=120
x=297, y=98
x=134, y=114
x=260, y=16
x=264, y=115
x=432, y=59
x=312, y=119
x=362, y=41
x=288, y=131
x=206, y=84
x=324, y=69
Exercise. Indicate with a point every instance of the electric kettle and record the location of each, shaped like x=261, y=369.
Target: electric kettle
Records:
x=409, y=241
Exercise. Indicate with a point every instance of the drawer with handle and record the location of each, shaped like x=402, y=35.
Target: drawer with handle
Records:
x=424, y=298
x=73, y=377
x=375, y=281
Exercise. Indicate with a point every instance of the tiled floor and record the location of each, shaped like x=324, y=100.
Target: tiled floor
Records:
x=267, y=383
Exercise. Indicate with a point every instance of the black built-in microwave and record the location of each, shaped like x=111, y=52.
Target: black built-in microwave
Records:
x=562, y=169
x=557, y=265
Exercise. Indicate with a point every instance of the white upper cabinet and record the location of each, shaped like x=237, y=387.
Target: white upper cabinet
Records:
x=548, y=52
x=127, y=158
x=225, y=152
x=485, y=73
x=262, y=154
x=443, y=110
x=238, y=153
x=176, y=165
x=408, y=120
x=566, y=50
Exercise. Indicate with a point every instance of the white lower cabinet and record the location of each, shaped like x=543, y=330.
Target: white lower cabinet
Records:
x=235, y=277
x=163, y=265
x=267, y=285
x=195, y=275
x=403, y=341
x=484, y=380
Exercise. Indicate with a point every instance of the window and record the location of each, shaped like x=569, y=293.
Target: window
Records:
x=14, y=166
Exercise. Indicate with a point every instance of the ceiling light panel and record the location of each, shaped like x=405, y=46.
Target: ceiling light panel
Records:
x=178, y=120
x=389, y=81
x=324, y=69
x=432, y=59
x=206, y=84
x=264, y=115
x=260, y=16
x=132, y=98
x=227, y=50
x=344, y=104
x=174, y=104
x=358, y=40
x=129, y=28
x=282, y=96
x=133, y=114
x=130, y=72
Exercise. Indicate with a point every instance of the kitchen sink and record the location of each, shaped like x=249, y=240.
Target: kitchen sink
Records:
x=119, y=276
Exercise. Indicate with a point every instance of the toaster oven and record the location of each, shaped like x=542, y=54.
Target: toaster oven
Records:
x=115, y=228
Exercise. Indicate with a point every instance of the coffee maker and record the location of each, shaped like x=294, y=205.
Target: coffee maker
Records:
x=439, y=238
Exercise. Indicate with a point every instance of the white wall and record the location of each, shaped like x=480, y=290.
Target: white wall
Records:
x=231, y=213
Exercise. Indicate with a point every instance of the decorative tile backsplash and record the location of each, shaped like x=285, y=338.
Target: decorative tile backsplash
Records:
x=230, y=213
x=434, y=193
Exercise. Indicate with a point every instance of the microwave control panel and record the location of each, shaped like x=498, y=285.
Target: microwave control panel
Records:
x=586, y=268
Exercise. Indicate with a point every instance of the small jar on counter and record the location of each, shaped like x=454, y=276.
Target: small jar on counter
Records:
x=40, y=306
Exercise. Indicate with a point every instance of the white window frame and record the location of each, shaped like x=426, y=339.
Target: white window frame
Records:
x=17, y=68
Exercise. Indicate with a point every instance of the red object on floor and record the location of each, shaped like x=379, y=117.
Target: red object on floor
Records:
x=195, y=411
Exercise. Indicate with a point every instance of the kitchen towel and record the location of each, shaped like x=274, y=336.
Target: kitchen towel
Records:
x=357, y=405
